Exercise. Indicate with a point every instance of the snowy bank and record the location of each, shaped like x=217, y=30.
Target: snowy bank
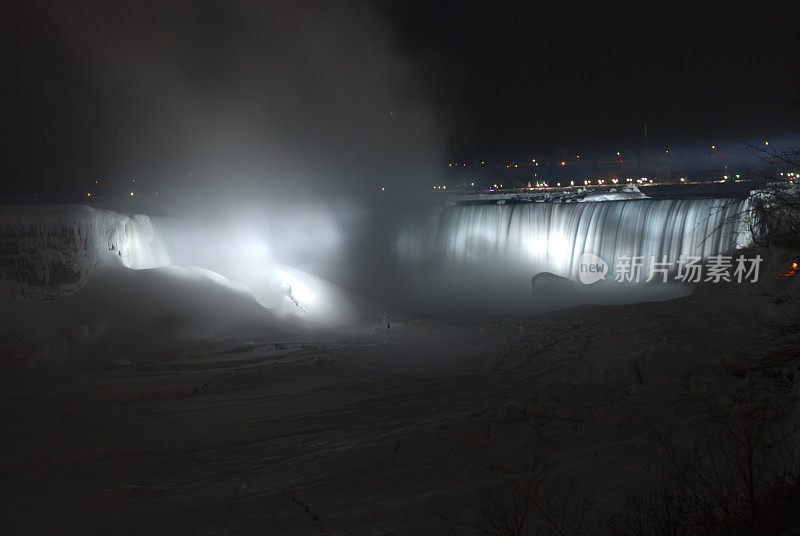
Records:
x=73, y=277
x=615, y=195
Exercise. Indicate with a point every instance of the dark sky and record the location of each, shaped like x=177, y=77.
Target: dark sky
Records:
x=338, y=91
x=540, y=76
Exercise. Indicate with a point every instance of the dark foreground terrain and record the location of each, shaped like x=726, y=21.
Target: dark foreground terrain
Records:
x=399, y=432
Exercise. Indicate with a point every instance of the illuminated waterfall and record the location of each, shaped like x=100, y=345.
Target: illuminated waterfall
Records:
x=551, y=236
x=143, y=247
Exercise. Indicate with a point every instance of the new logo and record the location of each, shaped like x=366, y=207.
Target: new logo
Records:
x=591, y=268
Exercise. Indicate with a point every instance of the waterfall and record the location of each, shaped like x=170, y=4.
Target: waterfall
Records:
x=551, y=236
x=143, y=247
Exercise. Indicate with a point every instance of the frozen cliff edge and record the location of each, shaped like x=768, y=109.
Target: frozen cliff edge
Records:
x=49, y=252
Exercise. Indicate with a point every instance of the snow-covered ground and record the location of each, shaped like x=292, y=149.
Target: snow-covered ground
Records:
x=569, y=195
x=623, y=194
x=380, y=433
x=76, y=275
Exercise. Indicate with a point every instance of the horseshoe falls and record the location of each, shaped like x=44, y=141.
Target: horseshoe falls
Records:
x=538, y=237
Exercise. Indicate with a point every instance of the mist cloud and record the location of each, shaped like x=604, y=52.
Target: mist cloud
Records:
x=251, y=98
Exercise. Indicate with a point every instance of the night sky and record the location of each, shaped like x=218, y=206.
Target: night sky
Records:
x=539, y=76
x=338, y=91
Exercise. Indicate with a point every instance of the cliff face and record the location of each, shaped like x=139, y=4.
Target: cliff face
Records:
x=47, y=253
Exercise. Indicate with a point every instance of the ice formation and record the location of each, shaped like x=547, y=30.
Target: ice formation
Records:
x=50, y=252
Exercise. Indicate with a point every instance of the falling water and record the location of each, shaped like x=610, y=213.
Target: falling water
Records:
x=143, y=247
x=551, y=236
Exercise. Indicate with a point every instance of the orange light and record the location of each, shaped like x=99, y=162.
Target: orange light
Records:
x=794, y=266
x=563, y=163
